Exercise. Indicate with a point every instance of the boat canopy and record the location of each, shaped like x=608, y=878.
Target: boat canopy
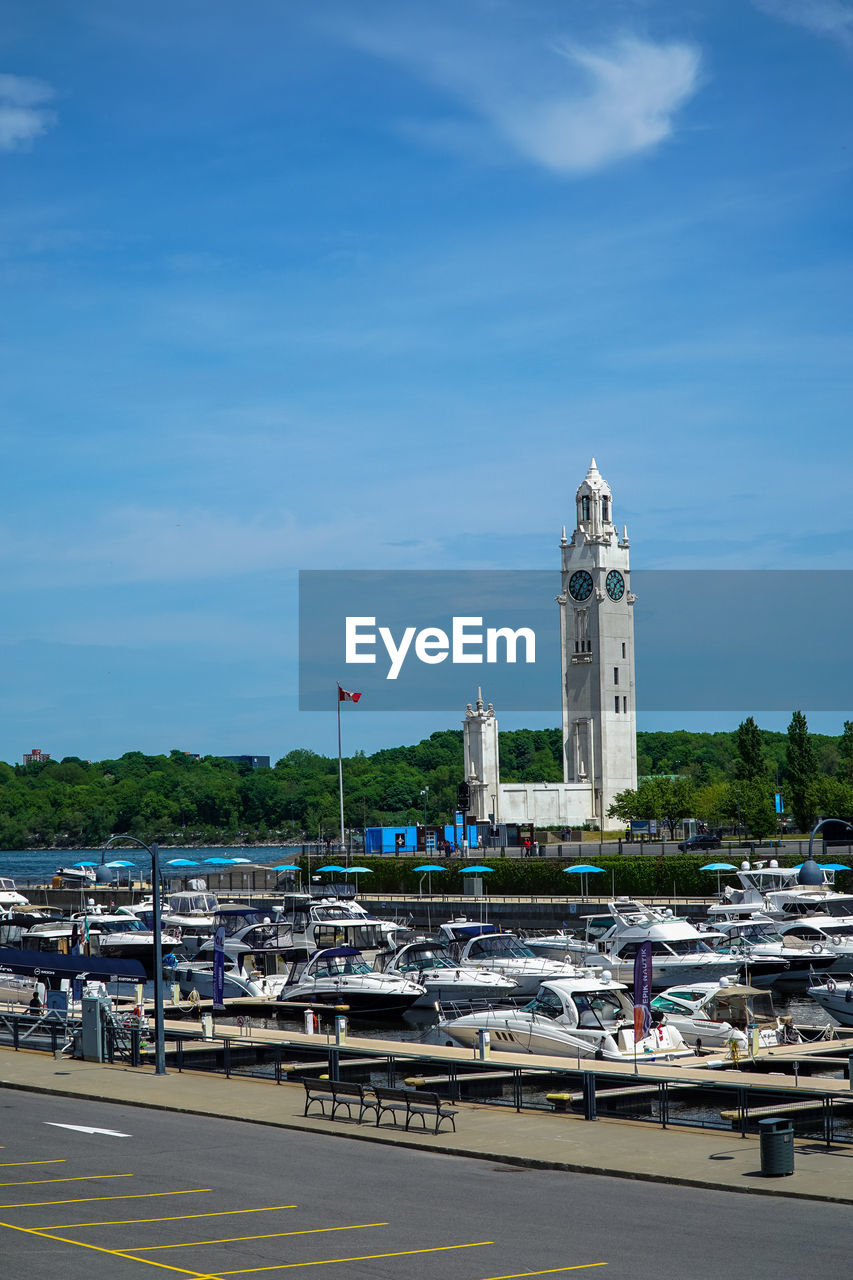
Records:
x=48, y=964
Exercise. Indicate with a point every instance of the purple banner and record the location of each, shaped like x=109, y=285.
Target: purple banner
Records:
x=219, y=969
x=643, y=991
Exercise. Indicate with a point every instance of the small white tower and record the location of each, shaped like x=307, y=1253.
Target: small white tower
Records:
x=597, y=647
x=482, y=759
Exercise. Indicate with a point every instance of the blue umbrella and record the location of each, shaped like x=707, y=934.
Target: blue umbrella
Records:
x=718, y=867
x=285, y=866
x=219, y=862
x=429, y=867
x=583, y=869
x=119, y=864
x=359, y=871
x=467, y=871
x=181, y=862
x=342, y=870
x=85, y=864
x=246, y=861
x=824, y=866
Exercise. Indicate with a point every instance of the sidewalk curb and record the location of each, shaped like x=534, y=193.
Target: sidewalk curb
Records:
x=397, y=1140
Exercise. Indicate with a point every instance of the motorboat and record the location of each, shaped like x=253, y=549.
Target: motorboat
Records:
x=190, y=916
x=74, y=878
x=9, y=895
x=122, y=936
x=679, y=952
x=587, y=1015
x=756, y=942
x=836, y=998
x=778, y=892
x=330, y=923
x=504, y=954
x=196, y=975
x=445, y=980
x=715, y=1015
x=833, y=935
x=342, y=976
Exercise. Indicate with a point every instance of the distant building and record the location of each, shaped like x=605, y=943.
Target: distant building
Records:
x=257, y=762
x=35, y=756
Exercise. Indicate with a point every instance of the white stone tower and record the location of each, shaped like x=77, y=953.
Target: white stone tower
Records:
x=482, y=759
x=597, y=646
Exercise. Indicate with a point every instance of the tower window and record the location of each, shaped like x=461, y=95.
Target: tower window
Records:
x=605, y=509
x=615, y=675
x=625, y=705
x=616, y=704
x=585, y=507
x=624, y=650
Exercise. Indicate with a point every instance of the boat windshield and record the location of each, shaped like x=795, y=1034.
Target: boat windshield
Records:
x=499, y=946
x=546, y=1003
x=425, y=958
x=341, y=966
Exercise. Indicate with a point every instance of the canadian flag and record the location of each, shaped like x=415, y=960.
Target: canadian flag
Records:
x=345, y=696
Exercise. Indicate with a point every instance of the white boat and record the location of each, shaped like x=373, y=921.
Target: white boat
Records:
x=9, y=896
x=188, y=916
x=779, y=892
x=329, y=923
x=341, y=976
x=445, y=980
x=793, y=962
x=836, y=998
x=679, y=953
x=196, y=975
x=715, y=1015
x=503, y=954
x=583, y=1016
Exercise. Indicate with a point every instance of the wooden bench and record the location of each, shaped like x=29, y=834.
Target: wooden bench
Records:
x=411, y=1103
x=338, y=1093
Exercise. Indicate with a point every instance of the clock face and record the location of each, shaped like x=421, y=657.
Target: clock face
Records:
x=580, y=585
x=615, y=584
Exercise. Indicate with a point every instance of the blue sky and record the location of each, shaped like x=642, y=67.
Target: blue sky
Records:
x=364, y=285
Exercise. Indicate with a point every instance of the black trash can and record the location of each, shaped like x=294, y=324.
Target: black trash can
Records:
x=777, y=1147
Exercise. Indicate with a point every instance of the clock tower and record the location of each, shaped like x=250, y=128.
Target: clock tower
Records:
x=597, y=648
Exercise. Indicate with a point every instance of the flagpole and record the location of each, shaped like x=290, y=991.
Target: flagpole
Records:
x=341, y=777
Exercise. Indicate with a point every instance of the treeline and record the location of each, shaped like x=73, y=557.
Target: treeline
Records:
x=178, y=799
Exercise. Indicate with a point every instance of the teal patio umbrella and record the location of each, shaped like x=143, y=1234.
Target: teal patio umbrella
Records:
x=359, y=871
x=583, y=869
x=429, y=867
x=719, y=867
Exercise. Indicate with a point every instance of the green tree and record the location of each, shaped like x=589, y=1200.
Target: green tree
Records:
x=801, y=772
x=666, y=799
x=751, y=764
x=845, y=752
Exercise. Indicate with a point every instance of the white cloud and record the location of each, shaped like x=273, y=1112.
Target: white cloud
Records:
x=832, y=18
x=567, y=106
x=23, y=115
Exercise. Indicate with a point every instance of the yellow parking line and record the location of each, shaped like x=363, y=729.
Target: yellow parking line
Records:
x=113, y=1253
x=270, y=1235
x=580, y=1266
x=181, y=1217
x=139, y=1195
x=84, y=1177
x=11, y=1164
x=327, y=1262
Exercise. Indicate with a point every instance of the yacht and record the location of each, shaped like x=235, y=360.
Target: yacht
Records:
x=836, y=998
x=122, y=936
x=503, y=954
x=713, y=1015
x=189, y=916
x=9, y=896
x=583, y=1016
x=445, y=980
x=342, y=976
x=793, y=962
x=679, y=952
x=779, y=892
x=195, y=974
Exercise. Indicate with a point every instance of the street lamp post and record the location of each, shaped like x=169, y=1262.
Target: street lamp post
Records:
x=425, y=794
x=823, y=823
x=153, y=851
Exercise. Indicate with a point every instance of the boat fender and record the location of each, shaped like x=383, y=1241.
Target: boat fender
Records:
x=848, y=994
x=816, y=949
x=831, y=986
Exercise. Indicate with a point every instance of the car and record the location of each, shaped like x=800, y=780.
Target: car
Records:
x=702, y=841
